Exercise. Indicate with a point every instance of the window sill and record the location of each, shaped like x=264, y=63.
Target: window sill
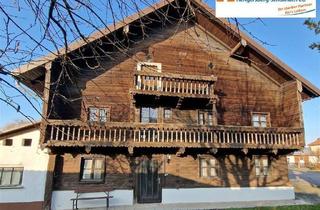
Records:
x=11, y=187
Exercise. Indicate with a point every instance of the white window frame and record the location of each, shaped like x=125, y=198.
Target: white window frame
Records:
x=262, y=166
x=13, y=168
x=259, y=115
x=139, y=68
x=211, y=164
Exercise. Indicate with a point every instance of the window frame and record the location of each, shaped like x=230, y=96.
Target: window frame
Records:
x=92, y=170
x=260, y=114
x=4, y=143
x=149, y=115
x=261, y=168
x=209, y=166
x=98, y=114
x=13, y=169
x=165, y=118
x=24, y=142
x=206, y=121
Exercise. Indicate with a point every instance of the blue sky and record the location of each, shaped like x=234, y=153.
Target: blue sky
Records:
x=290, y=39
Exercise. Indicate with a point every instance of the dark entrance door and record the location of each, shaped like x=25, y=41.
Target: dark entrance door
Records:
x=148, y=182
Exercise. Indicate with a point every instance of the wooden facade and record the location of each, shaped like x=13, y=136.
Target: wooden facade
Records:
x=204, y=88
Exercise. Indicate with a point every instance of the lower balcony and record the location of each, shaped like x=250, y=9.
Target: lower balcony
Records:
x=77, y=133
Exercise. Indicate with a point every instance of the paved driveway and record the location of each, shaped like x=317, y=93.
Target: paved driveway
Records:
x=307, y=185
x=313, y=177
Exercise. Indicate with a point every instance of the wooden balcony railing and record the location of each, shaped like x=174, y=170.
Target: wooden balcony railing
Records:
x=174, y=84
x=133, y=134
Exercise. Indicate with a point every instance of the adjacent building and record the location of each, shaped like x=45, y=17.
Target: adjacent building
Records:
x=23, y=169
x=315, y=146
x=188, y=109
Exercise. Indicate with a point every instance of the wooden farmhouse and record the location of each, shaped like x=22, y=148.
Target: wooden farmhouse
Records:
x=170, y=105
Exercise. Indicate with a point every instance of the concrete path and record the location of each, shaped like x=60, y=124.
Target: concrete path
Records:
x=202, y=206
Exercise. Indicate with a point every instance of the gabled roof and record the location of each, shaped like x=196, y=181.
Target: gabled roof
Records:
x=35, y=68
x=315, y=143
x=19, y=129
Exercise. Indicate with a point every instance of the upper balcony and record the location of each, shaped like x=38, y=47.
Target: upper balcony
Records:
x=173, y=85
x=77, y=133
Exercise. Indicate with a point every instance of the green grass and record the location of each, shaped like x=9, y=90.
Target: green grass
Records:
x=296, y=207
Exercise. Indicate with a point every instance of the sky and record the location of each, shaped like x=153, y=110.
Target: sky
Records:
x=289, y=40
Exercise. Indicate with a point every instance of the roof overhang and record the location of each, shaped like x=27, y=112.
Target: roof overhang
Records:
x=33, y=70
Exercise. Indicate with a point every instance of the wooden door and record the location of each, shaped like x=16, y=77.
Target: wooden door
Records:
x=148, y=182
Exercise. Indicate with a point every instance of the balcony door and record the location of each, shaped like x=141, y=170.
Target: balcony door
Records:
x=148, y=184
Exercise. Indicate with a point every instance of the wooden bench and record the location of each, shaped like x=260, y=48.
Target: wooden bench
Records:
x=78, y=198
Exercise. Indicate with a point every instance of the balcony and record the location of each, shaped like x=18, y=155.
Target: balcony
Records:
x=173, y=85
x=76, y=133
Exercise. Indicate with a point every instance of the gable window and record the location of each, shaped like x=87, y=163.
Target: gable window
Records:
x=98, y=114
x=261, y=166
x=167, y=113
x=10, y=176
x=148, y=115
x=205, y=117
x=26, y=142
x=260, y=120
x=149, y=67
x=208, y=167
x=8, y=142
x=92, y=169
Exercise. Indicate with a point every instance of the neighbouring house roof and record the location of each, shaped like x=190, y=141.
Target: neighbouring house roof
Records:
x=35, y=69
x=315, y=143
x=18, y=129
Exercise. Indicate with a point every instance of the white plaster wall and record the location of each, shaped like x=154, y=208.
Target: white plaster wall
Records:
x=313, y=159
x=290, y=159
x=61, y=199
x=209, y=195
x=33, y=160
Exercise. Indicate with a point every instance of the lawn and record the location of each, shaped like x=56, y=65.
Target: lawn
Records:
x=296, y=207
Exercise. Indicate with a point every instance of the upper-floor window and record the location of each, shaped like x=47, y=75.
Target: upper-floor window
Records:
x=26, y=142
x=261, y=166
x=149, y=67
x=92, y=169
x=167, y=114
x=208, y=167
x=10, y=176
x=260, y=119
x=205, y=117
x=148, y=115
x=98, y=114
x=7, y=142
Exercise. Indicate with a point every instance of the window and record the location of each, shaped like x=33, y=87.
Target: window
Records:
x=7, y=142
x=26, y=142
x=167, y=113
x=201, y=118
x=10, y=176
x=92, y=169
x=262, y=166
x=205, y=117
x=98, y=114
x=208, y=167
x=148, y=115
x=260, y=120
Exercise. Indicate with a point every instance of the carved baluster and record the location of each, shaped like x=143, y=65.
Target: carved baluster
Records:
x=68, y=133
x=79, y=132
x=62, y=134
x=120, y=134
x=51, y=132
